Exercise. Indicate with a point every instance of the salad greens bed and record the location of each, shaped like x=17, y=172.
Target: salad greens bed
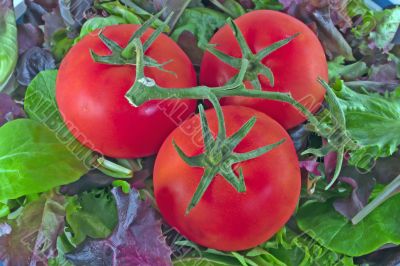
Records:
x=56, y=209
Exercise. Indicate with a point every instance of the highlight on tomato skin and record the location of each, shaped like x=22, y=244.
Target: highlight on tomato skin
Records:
x=225, y=219
x=296, y=66
x=92, y=100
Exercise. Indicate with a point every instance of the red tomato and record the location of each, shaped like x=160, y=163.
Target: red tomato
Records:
x=91, y=98
x=225, y=219
x=295, y=66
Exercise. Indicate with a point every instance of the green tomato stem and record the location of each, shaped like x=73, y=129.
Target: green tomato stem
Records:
x=113, y=169
x=145, y=89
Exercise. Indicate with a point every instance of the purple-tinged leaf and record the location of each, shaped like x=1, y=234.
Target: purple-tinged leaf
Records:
x=29, y=36
x=323, y=17
x=5, y=5
x=137, y=240
x=32, y=62
x=93, y=179
x=31, y=238
x=334, y=42
x=34, y=13
x=52, y=22
x=78, y=9
x=300, y=136
x=374, y=86
x=247, y=4
x=387, y=169
x=337, y=10
x=330, y=163
x=389, y=256
x=188, y=42
x=311, y=166
x=48, y=4
x=9, y=110
x=384, y=72
x=141, y=176
x=362, y=187
x=289, y=3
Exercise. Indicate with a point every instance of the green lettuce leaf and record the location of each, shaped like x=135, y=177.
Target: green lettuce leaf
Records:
x=387, y=23
x=335, y=232
x=373, y=122
x=98, y=23
x=91, y=214
x=33, y=160
x=60, y=44
x=8, y=44
x=201, y=22
x=375, y=29
x=267, y=4
x=286, y=248
x=230, y=7
x=339, y=70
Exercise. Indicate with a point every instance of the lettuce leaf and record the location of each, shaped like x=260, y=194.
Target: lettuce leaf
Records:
x=339, y=70
x=137, y=239
x=201, y=22
x=337, y=233
x=373, y=122
x=31, y=238
x=286, y=248
x=91, y=214
x=8, y=42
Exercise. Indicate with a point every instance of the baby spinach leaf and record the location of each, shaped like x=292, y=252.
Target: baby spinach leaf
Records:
x=91, y=214
x=33, y=160
x=8, y=44
x=40, y=102
x=333, y=231
x=40, y=105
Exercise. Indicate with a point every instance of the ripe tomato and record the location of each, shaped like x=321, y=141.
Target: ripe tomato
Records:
x=225, y=219
x=296, y=66
x=91, y=98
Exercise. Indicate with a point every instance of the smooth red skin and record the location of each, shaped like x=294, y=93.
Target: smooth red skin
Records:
x=91, y=96
x=225, y=219
x=296, y=66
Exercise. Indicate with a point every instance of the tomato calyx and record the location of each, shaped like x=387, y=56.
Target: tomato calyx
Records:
x=256, y=67
x=127, y=55
x=219, y=156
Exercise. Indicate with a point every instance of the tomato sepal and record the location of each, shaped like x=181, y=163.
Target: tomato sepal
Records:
x=219, y=156
x=256, y=67
x=127, y=55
